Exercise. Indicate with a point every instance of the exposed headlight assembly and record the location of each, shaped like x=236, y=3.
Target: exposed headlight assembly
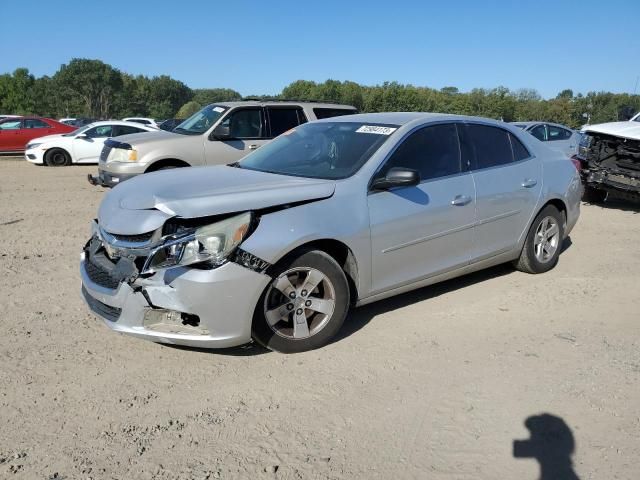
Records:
x=31, y=146
x=211, y=243
x=123, y=155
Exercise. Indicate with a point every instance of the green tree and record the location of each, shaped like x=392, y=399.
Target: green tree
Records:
x=207, y=96
x=94, y=82
x=188, y=109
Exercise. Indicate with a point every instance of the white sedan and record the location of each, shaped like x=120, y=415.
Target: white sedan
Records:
x=80, y=146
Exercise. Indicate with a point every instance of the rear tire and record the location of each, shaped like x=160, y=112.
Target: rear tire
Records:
x=542, y=246
x=304, y=306
x=57, y=157
x=593, y=195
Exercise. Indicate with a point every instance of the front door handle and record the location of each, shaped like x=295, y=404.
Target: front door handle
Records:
x=253, y=146
x=461, y=200
x=529, y=183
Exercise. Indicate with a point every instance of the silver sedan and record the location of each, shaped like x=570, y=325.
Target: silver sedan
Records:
x=331, y=215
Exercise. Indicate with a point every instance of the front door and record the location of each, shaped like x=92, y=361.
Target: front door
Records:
x=508, y=182
x=248, y=129
x=420, y=231
x=88, y=147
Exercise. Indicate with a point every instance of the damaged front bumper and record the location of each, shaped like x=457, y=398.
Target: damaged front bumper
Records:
x=207, y=308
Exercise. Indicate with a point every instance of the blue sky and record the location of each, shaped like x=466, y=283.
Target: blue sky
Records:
x=259, y=47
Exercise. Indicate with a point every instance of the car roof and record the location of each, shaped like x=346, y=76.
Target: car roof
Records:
x=529, y=124
x=403, y=118
x=119, y=122
x=282, y=103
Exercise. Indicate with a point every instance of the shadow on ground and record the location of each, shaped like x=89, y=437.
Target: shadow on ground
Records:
x=551, y=444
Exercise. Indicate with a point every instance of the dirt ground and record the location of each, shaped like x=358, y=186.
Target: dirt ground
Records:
x=433, y=384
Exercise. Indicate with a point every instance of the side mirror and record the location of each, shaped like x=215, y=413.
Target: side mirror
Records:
x=396, y=177
x=82, y=136
x=222, y=132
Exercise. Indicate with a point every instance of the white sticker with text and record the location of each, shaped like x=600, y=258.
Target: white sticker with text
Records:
x=218, y=109
x=375, y=129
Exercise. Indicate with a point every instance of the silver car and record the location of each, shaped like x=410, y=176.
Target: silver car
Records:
x=557, y=137
x=332, y=214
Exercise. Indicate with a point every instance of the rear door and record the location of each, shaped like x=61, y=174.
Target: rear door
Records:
x=248, y=128
x=420, y=231
x=508, y=181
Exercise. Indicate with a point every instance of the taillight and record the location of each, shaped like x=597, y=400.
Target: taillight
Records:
x=576, y=162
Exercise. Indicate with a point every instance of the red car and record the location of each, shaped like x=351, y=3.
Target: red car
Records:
x=15, y=133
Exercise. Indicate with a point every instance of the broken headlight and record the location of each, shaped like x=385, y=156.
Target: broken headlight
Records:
x=211, y=243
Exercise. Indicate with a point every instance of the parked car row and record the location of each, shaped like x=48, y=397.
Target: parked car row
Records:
x=82, y=145
x=218, y=134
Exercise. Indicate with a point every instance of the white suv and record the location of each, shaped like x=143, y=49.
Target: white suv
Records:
x=220, y=133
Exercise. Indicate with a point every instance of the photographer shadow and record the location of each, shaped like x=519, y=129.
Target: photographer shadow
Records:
x=551, y=443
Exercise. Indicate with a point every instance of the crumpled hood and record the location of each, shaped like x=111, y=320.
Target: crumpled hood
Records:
x=145, y=202
x=619, y=129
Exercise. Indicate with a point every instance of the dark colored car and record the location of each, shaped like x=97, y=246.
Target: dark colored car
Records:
x=15, y=133
x=170, y=124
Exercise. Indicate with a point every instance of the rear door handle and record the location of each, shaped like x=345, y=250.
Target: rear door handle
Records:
x=529, y=183
x=461, y=200
x=253, y=146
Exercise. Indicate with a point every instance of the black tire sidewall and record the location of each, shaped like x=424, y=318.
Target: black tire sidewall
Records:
x=323, y=262
x=537, y=266
x=49, y=155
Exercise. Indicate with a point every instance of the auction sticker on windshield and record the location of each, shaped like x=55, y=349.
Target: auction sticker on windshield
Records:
x=376, y=129
x=218, y=109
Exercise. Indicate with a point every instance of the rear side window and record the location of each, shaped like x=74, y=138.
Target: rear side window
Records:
x=35, y=123
x=432, y=151
x=491, y=144
x=126, y=130
x=283, y=119
x=539, y=132
x=321, y=113
x=520, y=152
x=557, y=133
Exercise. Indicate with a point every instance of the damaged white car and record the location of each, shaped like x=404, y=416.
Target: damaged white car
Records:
x=609, y=156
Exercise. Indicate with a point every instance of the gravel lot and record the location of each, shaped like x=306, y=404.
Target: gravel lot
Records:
x=433, y=384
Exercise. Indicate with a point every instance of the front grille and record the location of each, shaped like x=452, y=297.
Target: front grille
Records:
x=102, y=309
x=99, y=269
x=141, y=238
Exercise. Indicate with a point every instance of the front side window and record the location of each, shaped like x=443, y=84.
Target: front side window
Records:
x=35, y=123
x=326, y=150
x=491, y=145
x=245, y=123
x=432, y=151
x=125, y=130
x=10, y=125
x=201, y=121
x=101, y=131
x=557, y=133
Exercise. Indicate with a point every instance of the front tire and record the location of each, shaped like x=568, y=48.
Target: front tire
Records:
x=304, y=306
x=542, y=246
x=57, y=157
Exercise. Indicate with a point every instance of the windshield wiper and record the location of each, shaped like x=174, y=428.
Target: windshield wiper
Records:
x=234, y=165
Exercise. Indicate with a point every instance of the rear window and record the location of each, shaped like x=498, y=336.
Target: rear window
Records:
x=333, y=112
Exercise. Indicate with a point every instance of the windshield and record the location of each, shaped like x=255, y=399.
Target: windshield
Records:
x=327, y=150
x=78, y=130
x=200, y=122
x=636, y=118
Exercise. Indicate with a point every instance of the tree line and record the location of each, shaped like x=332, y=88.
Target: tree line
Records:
x=92, y=88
